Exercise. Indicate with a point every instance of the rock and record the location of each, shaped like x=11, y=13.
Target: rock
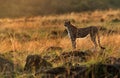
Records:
x=104, y=70
x=79, y=56
x=35, y=61
x=66, y=72
x=56, y=71
x=6, y=68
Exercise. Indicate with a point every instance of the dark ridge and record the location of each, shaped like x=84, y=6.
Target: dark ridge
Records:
x=66, y=55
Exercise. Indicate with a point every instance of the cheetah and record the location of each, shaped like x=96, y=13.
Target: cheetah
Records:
x=74, y=32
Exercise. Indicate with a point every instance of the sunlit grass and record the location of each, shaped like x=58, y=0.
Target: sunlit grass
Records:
x=23, y=36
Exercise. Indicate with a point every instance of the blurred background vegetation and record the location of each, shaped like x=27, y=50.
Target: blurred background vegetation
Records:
x=18, y=8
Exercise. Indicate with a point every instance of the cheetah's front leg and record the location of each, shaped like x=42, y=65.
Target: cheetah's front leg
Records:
x=73, y=43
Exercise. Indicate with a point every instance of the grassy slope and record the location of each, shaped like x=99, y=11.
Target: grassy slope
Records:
x=23, y=36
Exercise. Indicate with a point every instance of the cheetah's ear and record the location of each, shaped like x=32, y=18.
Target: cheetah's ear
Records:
x=67, y=21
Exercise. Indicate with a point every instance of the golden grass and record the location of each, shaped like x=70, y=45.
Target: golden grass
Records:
x=35, y=30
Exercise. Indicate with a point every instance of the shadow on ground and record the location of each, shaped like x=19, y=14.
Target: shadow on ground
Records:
x=37, y=66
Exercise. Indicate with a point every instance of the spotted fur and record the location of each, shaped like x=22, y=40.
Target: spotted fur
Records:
x=74, y=32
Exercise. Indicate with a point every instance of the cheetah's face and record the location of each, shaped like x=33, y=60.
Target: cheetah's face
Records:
x=67, y=23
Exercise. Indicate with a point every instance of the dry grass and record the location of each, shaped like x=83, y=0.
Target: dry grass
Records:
x=29, y=35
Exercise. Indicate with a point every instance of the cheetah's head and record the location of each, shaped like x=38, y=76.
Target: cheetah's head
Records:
x=67, y=23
